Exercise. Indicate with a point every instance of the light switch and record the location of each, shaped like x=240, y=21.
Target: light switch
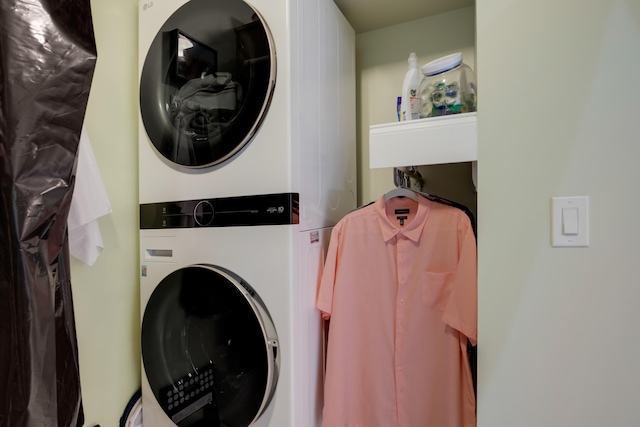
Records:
x=570, y=221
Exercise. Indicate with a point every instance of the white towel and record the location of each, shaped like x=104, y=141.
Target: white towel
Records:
x=89, y=202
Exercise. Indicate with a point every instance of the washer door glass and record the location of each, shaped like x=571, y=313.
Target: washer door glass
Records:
x=209, y=349
x=207, y=81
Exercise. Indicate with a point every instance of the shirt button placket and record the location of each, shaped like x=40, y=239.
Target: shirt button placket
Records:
x=400, y=325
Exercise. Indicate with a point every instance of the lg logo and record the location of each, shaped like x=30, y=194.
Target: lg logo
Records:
x=279, y=209
x=147, y=5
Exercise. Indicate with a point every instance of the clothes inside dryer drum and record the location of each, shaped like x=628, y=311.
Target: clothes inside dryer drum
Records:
x=207, y=82
x=208, y=349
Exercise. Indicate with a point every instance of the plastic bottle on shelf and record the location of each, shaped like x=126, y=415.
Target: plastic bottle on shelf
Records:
x=410, y=104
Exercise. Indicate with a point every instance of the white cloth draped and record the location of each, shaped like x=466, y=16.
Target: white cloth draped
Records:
x=90, y=202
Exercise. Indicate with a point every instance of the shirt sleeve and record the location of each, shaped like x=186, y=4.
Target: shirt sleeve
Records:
x=461, y=312
x=324, y=301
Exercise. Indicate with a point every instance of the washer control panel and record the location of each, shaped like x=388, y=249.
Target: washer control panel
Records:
x=263, y=209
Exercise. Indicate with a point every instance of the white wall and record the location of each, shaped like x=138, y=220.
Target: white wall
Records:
x=558, y=115
x=106, y=295
x=381, y=63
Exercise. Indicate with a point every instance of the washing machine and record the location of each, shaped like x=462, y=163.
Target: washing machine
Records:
x=230, y=333
x=246, y=160
x=242, y=98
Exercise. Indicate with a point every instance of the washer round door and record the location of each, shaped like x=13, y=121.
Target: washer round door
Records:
x=207, y=81
x=209, y=348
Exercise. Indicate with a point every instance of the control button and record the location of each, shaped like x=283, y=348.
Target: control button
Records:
x=203, y=213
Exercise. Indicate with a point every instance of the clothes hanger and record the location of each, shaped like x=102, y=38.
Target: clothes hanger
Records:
x=401, y=192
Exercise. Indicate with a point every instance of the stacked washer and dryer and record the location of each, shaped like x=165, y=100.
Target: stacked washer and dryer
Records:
x=246, y=160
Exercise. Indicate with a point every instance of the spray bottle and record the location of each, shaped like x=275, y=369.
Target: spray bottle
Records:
x=410, y=104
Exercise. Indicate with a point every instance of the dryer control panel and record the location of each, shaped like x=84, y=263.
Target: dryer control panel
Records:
x=263, y=209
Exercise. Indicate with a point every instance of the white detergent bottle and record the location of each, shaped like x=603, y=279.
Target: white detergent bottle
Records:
x=410, y=104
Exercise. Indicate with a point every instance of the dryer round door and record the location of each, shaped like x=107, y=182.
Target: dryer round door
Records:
x=209, y=348
x=207, y=82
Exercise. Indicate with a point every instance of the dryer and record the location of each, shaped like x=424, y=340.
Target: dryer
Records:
x=242, y=98
x=230, y=333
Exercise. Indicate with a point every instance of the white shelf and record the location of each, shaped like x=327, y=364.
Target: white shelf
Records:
x=446, y=139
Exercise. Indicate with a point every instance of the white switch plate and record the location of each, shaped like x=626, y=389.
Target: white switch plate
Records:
x=558, y=238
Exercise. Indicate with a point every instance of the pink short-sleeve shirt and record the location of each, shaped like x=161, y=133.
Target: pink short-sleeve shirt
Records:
x=400, y=287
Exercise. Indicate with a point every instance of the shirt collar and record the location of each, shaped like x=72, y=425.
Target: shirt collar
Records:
x=413, y=231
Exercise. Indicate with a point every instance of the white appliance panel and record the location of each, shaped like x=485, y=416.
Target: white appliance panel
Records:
x=308, y=329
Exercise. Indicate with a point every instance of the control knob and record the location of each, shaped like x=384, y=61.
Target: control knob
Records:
x=203, y=213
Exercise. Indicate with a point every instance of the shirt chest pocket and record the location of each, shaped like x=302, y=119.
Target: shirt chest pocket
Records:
x=436, y=288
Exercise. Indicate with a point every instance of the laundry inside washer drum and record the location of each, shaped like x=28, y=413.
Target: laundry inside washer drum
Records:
x=207, y=82
x=205, y=349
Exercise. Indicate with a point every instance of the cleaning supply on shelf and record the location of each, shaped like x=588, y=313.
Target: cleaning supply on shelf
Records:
x=448, y=87
x=410, y=104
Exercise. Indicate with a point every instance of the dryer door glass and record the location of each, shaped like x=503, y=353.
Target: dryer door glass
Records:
x=207, y=81
x=208, y=350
